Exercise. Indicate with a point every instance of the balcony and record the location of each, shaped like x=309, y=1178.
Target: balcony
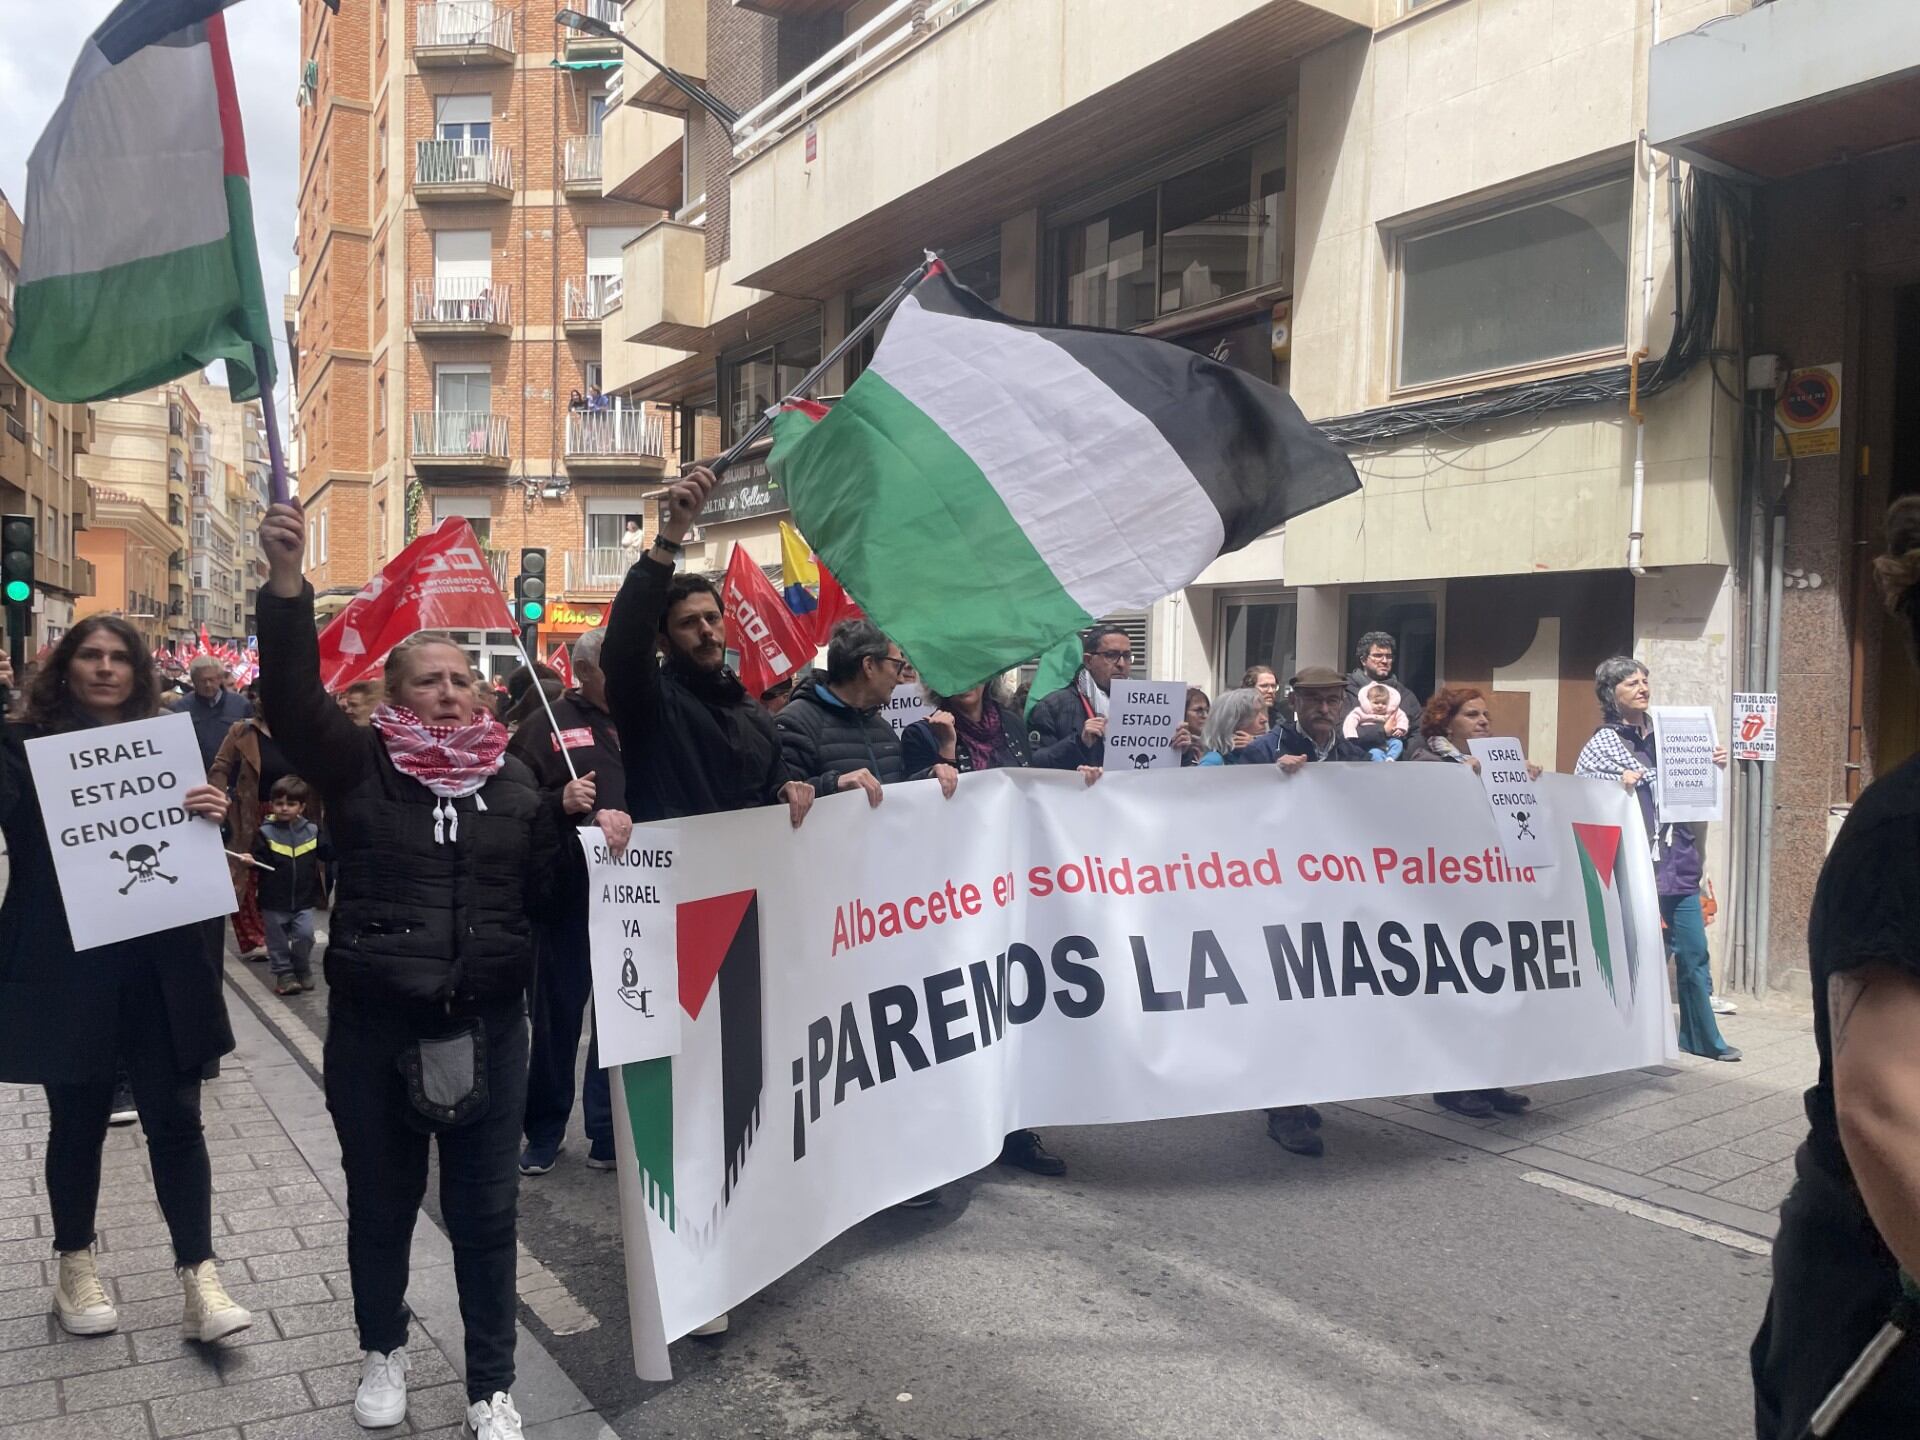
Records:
x=624, y=441
x=795, y=9
x=600, y=570
x=580, y=166
x=880, y=187
x=455, y=170
x=596, y=47
x=643, y=160
x=461, y=305
x=664, y=286
x=587, y=302
x=460, y=440
x=460, y=33
x=673, y=32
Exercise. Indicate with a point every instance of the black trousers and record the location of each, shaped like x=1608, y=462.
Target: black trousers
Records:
x=169, y=1106
x=562, y=986
x=1834, y=1284
x=385, y=1161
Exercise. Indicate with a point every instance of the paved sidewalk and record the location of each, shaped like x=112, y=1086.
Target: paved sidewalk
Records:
x=281, y=1239
x=1709, y=1139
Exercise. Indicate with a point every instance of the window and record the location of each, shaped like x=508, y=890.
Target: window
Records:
x=604, y=261
x=1541, y=281
x=380, y=147
x=1256, y=630
x=323, y=537
x=756, y=381
x=1412, y=617
x=597, y=114
x=380, y=276
x=476, y=510
x=1200, y=235
x=380, y=405
x=466, y=118
x=593, y=370
x=463, y=388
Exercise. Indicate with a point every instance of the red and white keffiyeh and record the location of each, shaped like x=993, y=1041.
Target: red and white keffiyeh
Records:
x=450, y=760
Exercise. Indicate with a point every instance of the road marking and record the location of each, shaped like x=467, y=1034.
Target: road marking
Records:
x=1673, y=1219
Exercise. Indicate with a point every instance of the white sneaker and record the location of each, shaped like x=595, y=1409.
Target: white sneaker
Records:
x=381, y=1399
x=715, y=1326
x=80, y=1300
x=1722, y=1007
x=211, y=1313
x=495, y=1419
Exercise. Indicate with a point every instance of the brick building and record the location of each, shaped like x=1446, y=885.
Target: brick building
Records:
x=456, y=255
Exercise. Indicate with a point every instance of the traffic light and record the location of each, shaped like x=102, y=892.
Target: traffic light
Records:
x=530, y=594
x=16, y=581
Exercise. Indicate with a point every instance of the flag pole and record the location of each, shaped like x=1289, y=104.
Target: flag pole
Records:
x=520, y=644
x=276, y=458
x=812, y=378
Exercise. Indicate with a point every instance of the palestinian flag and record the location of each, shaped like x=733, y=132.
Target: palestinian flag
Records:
x=1608, y=913
x=987, y=486
x=139, y=264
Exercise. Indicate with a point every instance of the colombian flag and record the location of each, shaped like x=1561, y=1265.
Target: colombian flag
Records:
x=797, y=572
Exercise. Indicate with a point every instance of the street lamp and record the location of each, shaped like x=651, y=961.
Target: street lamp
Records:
x=700, y=95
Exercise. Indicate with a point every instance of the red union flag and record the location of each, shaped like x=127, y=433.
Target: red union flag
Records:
x=439, y=582
x=561, y=663
x=760, y=627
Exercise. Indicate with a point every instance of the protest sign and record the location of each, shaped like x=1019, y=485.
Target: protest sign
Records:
x=631, y=937
x=1519, y=814
x=1141, y=718
x=130, y=859
x=908, y=703
x=1756, y=725
x=1689, y=781
x=872, y=1002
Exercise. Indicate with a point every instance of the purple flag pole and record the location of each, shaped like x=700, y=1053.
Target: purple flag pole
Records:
x=263, y=367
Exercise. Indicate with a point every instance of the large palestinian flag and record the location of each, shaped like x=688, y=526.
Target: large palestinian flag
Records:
x=139, y=262
x=987, y=486
x=1608, y=913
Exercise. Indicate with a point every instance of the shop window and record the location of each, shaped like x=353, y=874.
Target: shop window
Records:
x=1541, y=281
x=1412, y=617
x=756, y=381
x=1256, y=630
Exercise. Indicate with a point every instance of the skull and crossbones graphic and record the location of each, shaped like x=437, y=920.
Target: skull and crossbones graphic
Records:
x=1526, y=831
x=1142, y=761
x=143, y=865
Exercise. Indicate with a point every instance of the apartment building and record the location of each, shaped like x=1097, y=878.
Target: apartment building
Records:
x=238, y=486
x=142, y=458
x=1435, y=222
x=457, y=257
x=41, y=446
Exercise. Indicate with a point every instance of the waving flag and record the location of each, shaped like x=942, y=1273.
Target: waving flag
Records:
x=772, y=644
x=139, y=262
x=987, y=486
x=560, y=661
x=797, y=571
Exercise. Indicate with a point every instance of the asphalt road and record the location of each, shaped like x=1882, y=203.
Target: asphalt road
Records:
x=1189, y=1279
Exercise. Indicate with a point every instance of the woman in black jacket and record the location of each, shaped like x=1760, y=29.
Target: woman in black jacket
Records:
x=150, y=1005
x=445, y=844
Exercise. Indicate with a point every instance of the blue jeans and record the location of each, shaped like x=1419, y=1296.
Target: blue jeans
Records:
x=1692, y=974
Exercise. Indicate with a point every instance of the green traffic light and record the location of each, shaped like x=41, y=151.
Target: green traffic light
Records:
x=529, y=609
x=19, y=591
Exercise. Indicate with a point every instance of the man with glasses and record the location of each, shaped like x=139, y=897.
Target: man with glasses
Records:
x=1070, y=725
x=832, y=735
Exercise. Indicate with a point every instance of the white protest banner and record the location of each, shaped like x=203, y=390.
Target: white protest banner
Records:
x=631, y=937
x=908, y=703
x=872, y=1002
x=131, y=860
x=1689, y=788
x=1756, y=725
x=1519, y=814
x=1141, y=718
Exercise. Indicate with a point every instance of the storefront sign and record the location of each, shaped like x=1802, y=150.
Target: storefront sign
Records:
x=745, y=491
x=1808, y=409
x=1756, y=726
x=575, y=617
x=1689, y=781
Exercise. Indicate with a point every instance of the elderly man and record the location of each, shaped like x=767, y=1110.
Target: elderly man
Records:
x=832, y=736
x=563, y=967
x=213, y=708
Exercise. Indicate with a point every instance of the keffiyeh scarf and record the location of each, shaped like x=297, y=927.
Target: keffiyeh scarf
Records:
x=450, y=760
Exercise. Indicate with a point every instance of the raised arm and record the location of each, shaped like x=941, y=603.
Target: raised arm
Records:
x=633, y=626
x=326, y=748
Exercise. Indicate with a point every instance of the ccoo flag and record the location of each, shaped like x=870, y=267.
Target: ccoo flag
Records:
x=139, y=262
x=987, y=486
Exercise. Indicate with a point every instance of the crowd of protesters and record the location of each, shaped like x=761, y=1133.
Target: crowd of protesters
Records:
x=436, y=837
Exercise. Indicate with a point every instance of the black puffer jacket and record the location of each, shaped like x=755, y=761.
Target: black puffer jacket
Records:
x=823, y=738
x=1054, y=727
x=693, y=744
x=58, y=1010
x=434, y=923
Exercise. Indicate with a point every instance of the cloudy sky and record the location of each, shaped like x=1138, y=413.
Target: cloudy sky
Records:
x=42, y=39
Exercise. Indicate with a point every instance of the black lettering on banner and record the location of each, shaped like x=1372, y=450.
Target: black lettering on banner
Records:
x=1356, y=966
x=895, y=1032
x=1026, y=960
x=819, y=1057
x=989, y=998
x=1482, y=932
x=1208, y=973
x=942, y=1012
x=851, y=1062
x=1282, y=955
x=1152, y=1001
x=1524, y=941
x=1068, y=952
x=1553, y=946
x=1440, y=963
x=1405, y=978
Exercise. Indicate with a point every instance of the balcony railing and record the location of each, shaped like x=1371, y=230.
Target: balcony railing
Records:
x=874, y=46
x=462, y=162
x=617, y=89
x=591, y=298
x=603, y=567
x=470, y=23
x=459, y=435
x=476, y=301
x=616, y=433
x=582, y=161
